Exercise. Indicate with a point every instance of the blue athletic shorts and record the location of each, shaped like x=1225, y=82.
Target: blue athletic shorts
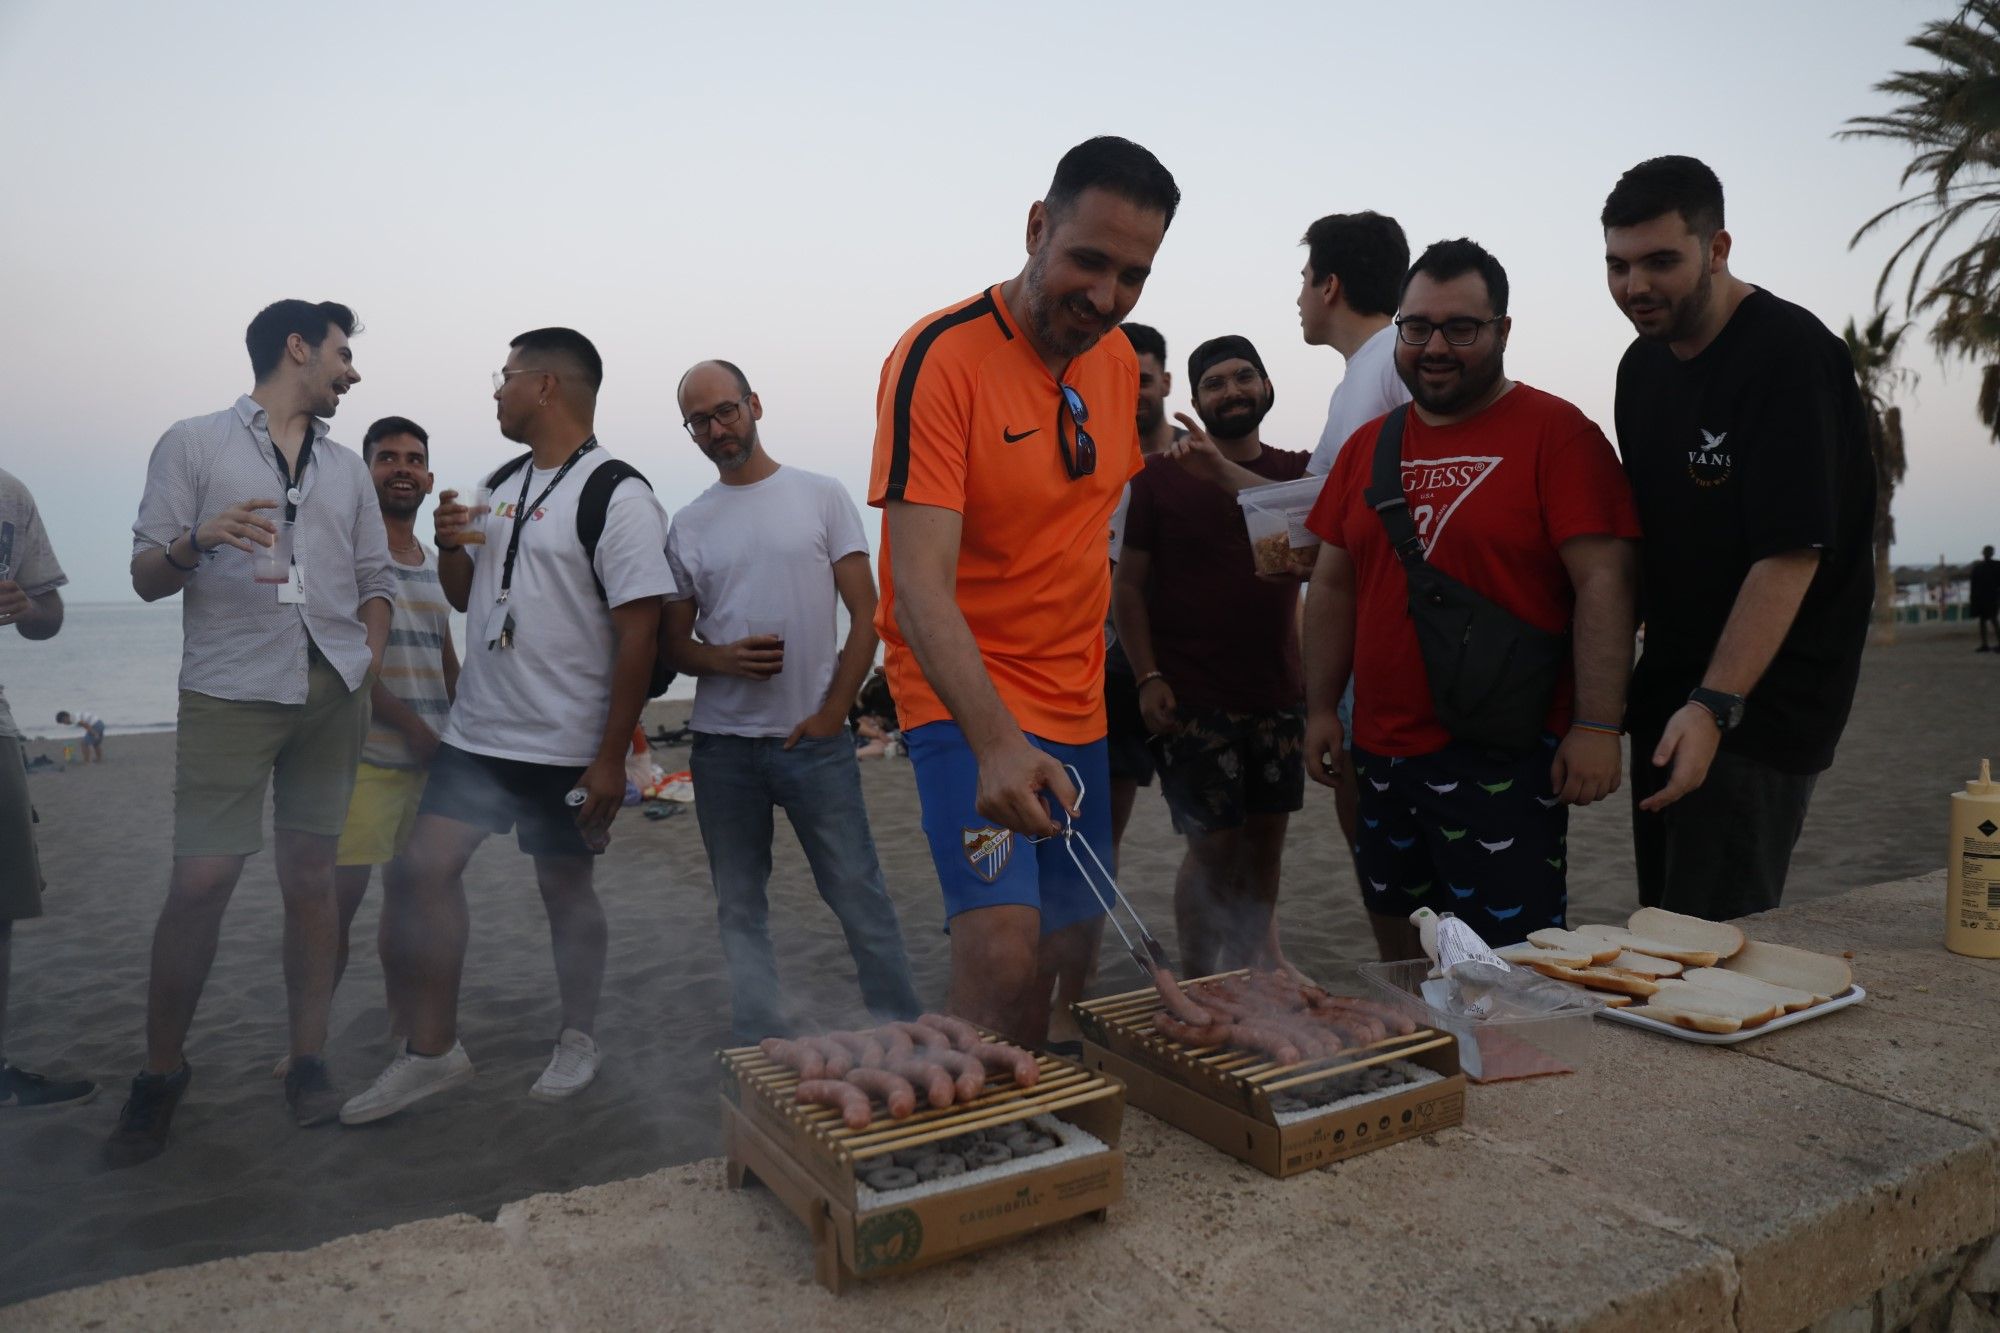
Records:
x=980, y=864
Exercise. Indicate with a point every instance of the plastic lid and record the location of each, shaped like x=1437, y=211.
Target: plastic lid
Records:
x=1983, y=785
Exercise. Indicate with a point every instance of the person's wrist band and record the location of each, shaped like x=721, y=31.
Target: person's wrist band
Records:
x=1149, y=677
x=168, y=551
x=1578, y=725
x=194, y=544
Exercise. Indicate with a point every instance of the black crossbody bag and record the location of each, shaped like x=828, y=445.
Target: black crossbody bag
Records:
x=1492, y=674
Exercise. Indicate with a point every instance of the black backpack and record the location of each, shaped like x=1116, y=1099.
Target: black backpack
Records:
x=591, y=508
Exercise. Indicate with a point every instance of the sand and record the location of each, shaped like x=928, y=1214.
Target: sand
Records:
x=239, y=1177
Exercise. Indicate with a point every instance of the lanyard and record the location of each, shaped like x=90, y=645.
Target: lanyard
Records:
x=521, y=514
x=292, y=492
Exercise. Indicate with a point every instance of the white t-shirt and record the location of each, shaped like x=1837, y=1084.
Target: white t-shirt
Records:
x=1370, y=387
x=544, y=700
x=765, y=552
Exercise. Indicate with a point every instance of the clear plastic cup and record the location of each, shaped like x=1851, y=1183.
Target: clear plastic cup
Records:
x=273, y=563
x=774, y=629
x=474, y=532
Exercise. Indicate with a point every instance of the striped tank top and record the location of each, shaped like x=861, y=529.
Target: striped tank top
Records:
x=413, y=663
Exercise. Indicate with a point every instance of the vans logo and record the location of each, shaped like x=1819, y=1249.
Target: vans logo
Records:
x=1710, y=465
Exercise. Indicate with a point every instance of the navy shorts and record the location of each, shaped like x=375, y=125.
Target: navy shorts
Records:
x=980, y=864
x=1463, y=832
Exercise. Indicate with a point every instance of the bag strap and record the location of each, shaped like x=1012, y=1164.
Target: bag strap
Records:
x=595, y=504
x=508, y=469
x=1385, y=493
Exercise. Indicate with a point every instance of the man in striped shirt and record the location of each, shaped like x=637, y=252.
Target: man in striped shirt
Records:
x=413, y=693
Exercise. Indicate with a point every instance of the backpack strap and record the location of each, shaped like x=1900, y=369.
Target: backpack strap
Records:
x=508, y=469
x=594, y=505
x=1385, y=492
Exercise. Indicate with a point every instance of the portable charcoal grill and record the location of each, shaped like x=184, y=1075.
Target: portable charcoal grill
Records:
x=811, y=1160
x=1224, y=1095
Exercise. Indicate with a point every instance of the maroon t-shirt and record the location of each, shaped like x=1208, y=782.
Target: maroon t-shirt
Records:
x=1225, y=638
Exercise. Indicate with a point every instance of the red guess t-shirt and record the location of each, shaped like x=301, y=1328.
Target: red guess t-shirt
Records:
x=1494, y=498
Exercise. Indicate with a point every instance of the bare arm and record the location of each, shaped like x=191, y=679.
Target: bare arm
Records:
x=1765, y=607
x=1196, y=452
x=375, y=623
x=758, y=657
x=155, y=576
x=450, y=666
x=1328, y=647
x=1604, y=573
x=923, y=545
x=37, y=617
x=455, y=576
x=856, y=586
x=636, y=628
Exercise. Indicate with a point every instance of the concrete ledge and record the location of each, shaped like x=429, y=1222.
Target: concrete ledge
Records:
x=1844, y=1174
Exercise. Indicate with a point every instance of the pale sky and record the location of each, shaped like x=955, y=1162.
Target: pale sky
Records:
x=791, y=186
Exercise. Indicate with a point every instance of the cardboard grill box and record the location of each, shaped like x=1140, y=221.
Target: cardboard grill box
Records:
x=811, y=1161
x=1224, y=1099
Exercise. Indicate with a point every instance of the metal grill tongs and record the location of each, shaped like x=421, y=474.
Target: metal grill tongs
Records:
x=1148, y=954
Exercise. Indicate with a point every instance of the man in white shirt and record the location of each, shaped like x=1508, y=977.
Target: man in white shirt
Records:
x=759, y=558
x=560, y=643
x=277, y=660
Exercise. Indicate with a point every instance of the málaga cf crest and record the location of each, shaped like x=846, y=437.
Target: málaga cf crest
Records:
x=987, y=851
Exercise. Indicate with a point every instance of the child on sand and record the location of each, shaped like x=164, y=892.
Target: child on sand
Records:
x=93, y=733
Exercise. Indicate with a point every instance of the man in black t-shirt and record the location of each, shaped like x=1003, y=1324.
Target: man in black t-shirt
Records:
x=1744, y=435
x=1986, y=597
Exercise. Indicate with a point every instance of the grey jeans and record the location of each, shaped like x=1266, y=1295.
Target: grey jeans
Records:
x=1723, y=849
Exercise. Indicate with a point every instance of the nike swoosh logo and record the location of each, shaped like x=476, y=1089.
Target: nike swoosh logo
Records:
x=1012, y=438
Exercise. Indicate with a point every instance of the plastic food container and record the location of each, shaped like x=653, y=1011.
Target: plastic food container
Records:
x=1491, y=1050
x=1276, y=518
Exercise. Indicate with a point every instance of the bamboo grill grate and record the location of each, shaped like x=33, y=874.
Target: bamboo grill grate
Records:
x=1126, y=1023
x=1062, y=1085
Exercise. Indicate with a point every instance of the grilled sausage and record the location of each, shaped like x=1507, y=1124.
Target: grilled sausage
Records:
x=1176, y=1000
x=850, y=1101
x=962, y=1034
x=797, y=1054
x=894, y=1090
x=835, y=1056
x=925, y=1038
x=968, y=1074
x=866, y=1051
x=927, y=1075
x=1008, y=1060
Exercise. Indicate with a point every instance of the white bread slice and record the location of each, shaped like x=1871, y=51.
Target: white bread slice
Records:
x=1687, y=997
x=1570, y=941
x=1690, y=932
x=1625, y=940
x=1750, y=988
x=1598, y=978
x=1821, y=975
x=1530, y=955
x=1681, y=1018
x=1644, y=965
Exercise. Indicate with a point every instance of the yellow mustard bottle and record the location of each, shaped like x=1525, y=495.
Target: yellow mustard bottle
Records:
x=1972, y=892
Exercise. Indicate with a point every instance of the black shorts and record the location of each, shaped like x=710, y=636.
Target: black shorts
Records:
x=1217, y=768
x=502, y=794
x=1126, y=735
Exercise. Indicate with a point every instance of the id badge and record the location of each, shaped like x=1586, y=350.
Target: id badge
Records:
x=293, y=593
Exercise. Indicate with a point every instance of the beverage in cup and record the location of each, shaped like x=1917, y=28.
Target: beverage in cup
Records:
x=474, y=532
x=273, y=563
x=770, y=629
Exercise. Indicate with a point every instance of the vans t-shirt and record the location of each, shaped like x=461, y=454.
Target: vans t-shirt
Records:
x=544, y=700
x=765, y=553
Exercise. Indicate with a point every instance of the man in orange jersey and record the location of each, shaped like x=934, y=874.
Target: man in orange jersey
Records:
x=1005, y=433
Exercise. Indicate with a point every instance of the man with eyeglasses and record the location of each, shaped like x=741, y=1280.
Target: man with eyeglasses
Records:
x=560, y=647
x=1515, y=494
x=1005, y=432
x=1215, y=651
x=760, y=558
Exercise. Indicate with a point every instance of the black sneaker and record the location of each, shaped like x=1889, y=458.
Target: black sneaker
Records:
x=20, y=1090
x=309, y=1092
x=148, y=1112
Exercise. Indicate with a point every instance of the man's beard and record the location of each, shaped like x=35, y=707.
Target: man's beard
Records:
x=1151, y=413
x=1685, y=315
x=1475, y=380
x=400, y=508
x=744, y=446
x=1042, y=313
x=1235, y=420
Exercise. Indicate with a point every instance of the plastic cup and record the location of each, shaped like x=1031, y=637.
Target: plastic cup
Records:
x=273, y=563
x=774, y=629
x=474, y=532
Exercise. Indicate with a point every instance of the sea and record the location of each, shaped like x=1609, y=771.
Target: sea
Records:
x=121, y=661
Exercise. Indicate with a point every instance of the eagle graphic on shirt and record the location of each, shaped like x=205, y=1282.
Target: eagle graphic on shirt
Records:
x=1436, y=487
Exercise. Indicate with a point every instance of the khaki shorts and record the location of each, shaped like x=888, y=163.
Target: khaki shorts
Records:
x=20, y=868
x=230, y=750
x=380, y=815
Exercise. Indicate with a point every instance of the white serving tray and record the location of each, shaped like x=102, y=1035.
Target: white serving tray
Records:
x=1852, y=995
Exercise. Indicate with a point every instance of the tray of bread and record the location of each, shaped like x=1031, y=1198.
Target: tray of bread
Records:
x=1700, y=981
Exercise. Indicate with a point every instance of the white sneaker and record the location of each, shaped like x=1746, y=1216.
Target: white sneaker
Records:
x=408, y=1080
x=571, y=1068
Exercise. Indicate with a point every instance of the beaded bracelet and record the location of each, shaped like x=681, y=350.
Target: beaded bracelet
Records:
x=1576, y=725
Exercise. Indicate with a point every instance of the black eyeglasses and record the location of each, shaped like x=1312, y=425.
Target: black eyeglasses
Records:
x=1460, y=332
x=1082, y=461
x=698, y=424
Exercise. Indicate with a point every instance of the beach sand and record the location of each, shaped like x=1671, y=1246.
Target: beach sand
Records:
x=239, y=1177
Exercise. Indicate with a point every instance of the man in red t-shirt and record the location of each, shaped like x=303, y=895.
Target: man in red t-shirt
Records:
x=1215, y=652
x=1517, y=495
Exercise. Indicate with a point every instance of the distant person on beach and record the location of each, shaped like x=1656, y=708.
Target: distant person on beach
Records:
x=411, y=699
x=29, y=602
x=1215, y=652
x=1515, y=494
x=1985, y=600
x=1005, y=433
x=561, y=640
x=1746, y=441
x=275, y=678
x=760, y=559
x=93, y=733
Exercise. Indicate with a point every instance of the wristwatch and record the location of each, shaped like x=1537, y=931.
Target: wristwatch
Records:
x=1727, y=709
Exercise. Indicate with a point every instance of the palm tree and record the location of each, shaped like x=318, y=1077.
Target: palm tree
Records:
x=1951, y=115
x=1874, y=351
